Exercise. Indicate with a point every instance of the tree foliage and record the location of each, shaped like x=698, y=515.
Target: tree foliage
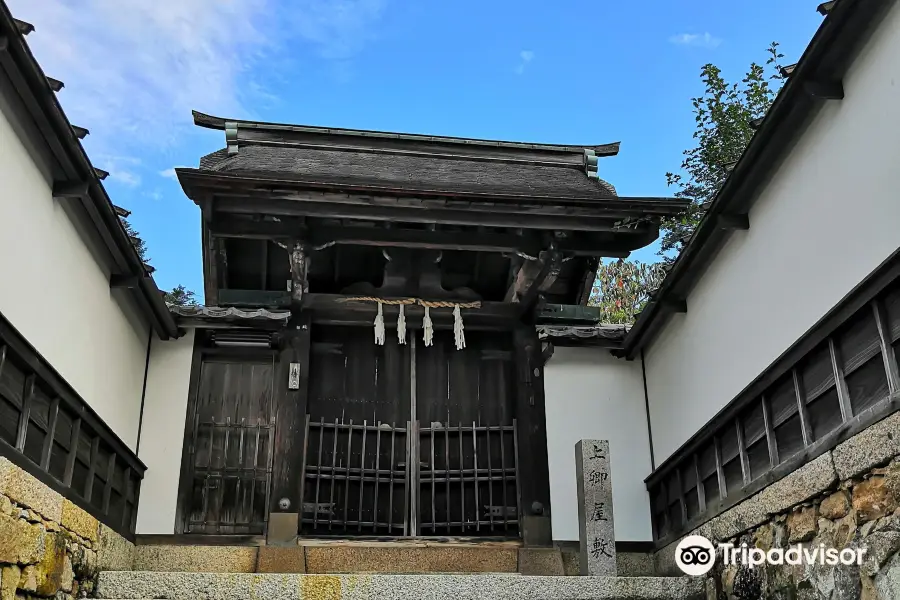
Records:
x=136, y=240
x=623, y=287
x=722, y=115
x=181, y=296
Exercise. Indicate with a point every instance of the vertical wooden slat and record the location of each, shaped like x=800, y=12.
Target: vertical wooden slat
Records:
x=254, y=470
x=487, y=431
x=805, y=425
x=841, y=385
x=334, y=446
x=47, y=450
x=25, y=415
x=720, y=471
x=319, y=473
x=887, y=349
x=92, y=470
x=462, y=479
x=74, y=441
x=270, y=464
x=347, y=479
x=701, y=487
x=240, y=515
x=108, y=488
x=362, y=476
x=771, y=440
x=303, y=467
x=413, y=453
x=742, y=450
x=475, y=471
x=433, y=481
x=128, y=502
x=518, y=472
x=407, y=491
x=391, y=485
x=377, y=476
x=503, y=476
x=681, y=503
x=447, y=467
x=2, y=359
x=224, y=478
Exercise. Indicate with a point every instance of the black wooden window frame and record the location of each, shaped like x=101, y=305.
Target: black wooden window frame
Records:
x=106, y=482
x=813, y=389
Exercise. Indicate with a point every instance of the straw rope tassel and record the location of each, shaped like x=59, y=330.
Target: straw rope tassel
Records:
x=458, y=329
x=427, y=329
x=379, y=326
x=401, y=326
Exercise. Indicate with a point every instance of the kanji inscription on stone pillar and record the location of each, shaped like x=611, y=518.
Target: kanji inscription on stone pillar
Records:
x=595, y=509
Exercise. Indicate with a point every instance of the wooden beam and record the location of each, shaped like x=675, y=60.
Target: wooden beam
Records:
x=824, y=90
x=547, y=352
x=733, y=222
x=123, y=281
x=55, y=84
x=340, y=309
x=587, y=282
x=675, y=305
x=24, y=27
x=788, y=70
x=70, y=189
x=617, y=245
x=420, y=215
x=550, y=263
x=824, y=8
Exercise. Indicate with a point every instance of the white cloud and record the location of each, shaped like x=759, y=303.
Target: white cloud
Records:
x=705, y=40
x=169, y=173
x=134, y=70
x=525, y=57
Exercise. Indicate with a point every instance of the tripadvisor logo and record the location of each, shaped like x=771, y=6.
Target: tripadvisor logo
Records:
x=696, y=555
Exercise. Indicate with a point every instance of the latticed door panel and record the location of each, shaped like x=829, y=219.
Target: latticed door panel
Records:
x=468, y=480
x=355, y=479
x=231, y=449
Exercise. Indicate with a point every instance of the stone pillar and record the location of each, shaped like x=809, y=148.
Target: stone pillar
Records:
x=595, y=510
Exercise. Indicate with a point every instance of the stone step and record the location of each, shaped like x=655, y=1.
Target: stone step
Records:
x=138, y=585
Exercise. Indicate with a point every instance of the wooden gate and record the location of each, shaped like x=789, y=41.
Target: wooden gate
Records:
x=372, y=408
x=229, y=463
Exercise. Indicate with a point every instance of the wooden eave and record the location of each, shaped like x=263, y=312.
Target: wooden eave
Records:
x=72, y=168
x=199, y=184
x=825, y=59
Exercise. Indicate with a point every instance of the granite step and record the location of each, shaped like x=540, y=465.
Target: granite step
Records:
x=138, y=585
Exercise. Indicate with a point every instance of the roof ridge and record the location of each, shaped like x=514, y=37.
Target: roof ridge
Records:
x=219, y=123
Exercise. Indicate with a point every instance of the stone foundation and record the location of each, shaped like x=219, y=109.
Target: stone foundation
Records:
x=49, y=547
x=845, y=498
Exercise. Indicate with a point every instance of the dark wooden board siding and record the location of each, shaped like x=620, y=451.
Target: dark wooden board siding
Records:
x=841, y=384
x=231, y=457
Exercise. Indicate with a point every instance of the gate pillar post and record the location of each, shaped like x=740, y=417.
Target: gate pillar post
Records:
x=290, y=397
x=533, y=474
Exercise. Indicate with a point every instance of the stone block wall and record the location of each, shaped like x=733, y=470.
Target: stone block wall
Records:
x=846, y=498
x=49, y=547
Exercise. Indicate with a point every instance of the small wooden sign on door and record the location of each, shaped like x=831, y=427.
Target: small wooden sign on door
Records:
x=294, y=377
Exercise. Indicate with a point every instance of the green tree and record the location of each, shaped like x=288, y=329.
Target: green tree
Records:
x=136, y=240
x=723, y=115
x=181, y=296
x=623, y=287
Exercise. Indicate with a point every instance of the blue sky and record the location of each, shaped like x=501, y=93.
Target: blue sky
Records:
x=575, y=72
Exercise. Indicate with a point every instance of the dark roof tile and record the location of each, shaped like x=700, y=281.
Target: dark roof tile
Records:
x=413, y=172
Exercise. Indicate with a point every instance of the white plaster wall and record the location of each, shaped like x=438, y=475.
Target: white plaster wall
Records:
x=162, y=432
x=826, y=219
x=56, y=293
x=591, y=395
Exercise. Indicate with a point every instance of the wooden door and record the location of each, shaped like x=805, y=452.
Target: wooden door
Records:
x=355, y=475
x=467, y=477
x=372, y=407
x=230, y=450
